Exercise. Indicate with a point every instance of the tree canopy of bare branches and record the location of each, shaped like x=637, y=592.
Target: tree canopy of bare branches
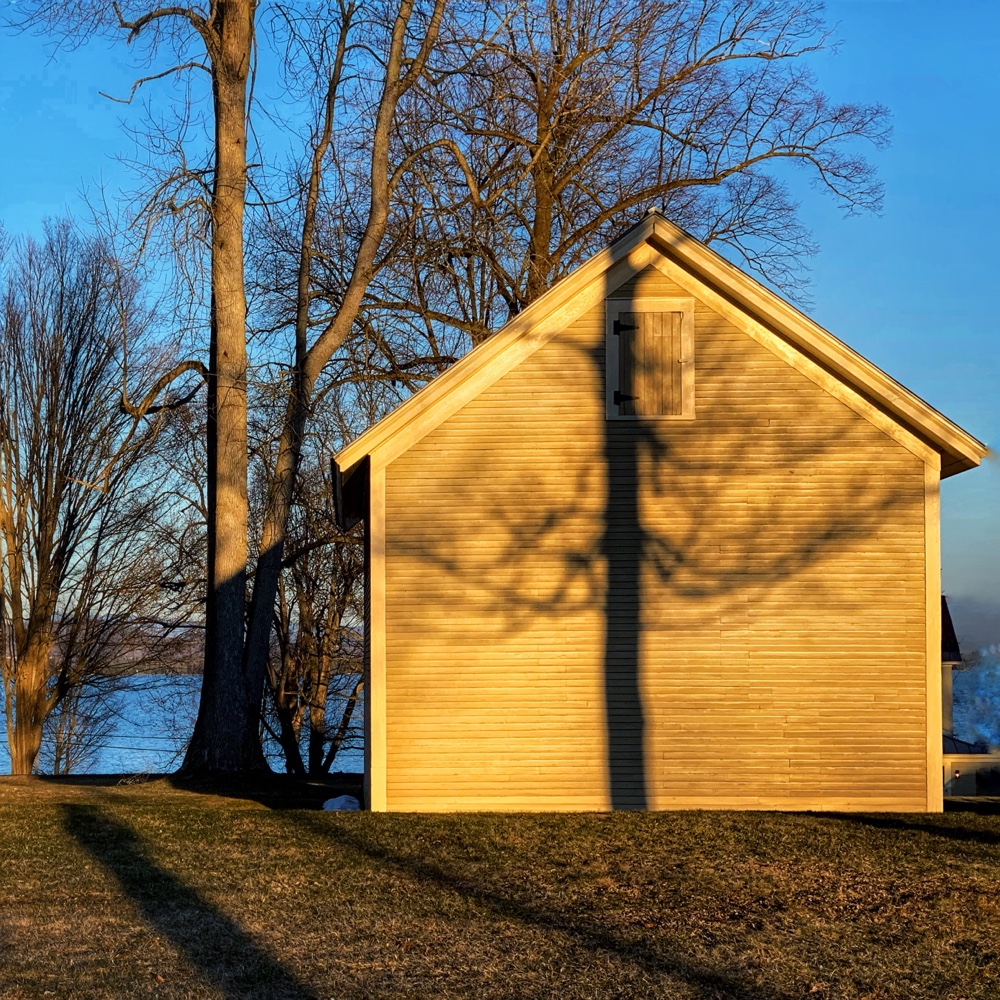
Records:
x=384, y=49
x=561, y=121
x=76, y=489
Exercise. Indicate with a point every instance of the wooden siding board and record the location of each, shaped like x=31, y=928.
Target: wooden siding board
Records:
x=780, y=601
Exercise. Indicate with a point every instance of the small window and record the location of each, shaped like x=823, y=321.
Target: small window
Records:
x=650, y=358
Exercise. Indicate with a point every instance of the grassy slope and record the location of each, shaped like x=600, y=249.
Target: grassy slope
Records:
x=154, y=891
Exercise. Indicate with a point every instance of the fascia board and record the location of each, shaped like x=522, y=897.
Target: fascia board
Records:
x=517, y=340
x=960, y=449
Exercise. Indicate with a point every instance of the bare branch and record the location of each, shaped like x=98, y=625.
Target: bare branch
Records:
x=146, y=405
x=134, y=28
x=154, y=76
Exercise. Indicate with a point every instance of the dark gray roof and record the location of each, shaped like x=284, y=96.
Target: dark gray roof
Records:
x=950, y=652
x=954, y=745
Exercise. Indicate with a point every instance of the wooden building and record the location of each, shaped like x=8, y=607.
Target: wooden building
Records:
x=660, y=542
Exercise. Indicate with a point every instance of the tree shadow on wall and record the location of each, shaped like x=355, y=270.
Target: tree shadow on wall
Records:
x=689, y=545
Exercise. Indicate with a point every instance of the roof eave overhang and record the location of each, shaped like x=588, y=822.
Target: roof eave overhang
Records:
x=959, y=450
x=519, y=328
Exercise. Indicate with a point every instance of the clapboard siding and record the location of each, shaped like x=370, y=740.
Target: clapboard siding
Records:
x=733, y=605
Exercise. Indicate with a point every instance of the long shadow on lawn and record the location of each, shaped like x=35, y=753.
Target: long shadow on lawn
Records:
x=588, y=933
x=213, y=943
x=986, y=837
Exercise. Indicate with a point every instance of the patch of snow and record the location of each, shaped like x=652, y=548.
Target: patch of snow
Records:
x=342, y=803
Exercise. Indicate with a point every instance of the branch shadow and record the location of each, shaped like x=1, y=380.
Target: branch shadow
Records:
x=754, y=547
x=222, y=952
x=586, y=932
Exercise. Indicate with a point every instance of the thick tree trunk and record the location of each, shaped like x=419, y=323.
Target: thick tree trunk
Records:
x=30, y=708
x=268, y=570
x=289, y=731
x=226, y=736
x=540, y=244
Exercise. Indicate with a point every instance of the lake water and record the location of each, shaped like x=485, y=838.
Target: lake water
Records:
x=146, y=728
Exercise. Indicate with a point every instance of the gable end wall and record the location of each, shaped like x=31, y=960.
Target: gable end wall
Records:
x=745, y=627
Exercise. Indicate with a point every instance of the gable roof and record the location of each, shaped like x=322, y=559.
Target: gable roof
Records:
x=657, y=241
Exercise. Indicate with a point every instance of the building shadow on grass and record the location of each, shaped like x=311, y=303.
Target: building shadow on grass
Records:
x=587, y=933
x=215, y=946
x=904, y=824
x=985, y=805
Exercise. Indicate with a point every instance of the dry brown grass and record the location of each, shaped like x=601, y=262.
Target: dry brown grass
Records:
x=150, y=890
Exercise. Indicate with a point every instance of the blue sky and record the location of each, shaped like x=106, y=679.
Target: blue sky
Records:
x=912, y=290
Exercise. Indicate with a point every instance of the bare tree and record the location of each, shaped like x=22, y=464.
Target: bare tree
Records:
x=405, y=44
x=565, y=119
x=379, y=54
x=315, y=670
x=451, y=172
x=76, y=488
x=77, y=729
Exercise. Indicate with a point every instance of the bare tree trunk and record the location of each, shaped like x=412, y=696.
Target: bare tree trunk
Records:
x=287, y=707
x=225, y=736
x=400, y=75
x=30, y=708
x=345, y=724
x=320, y=671
x=63, y=738
x=540, y=241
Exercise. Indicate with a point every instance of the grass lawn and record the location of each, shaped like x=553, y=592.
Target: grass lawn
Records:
x=152, y=890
